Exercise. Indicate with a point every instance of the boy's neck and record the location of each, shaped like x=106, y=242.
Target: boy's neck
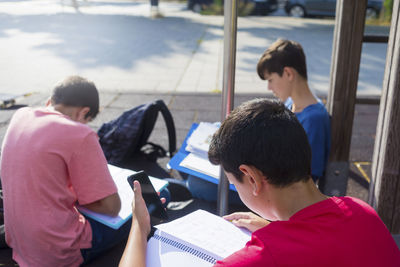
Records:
x=302, y=96
x=291, y=199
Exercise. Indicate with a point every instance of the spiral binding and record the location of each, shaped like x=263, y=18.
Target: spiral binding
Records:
x=186, y=248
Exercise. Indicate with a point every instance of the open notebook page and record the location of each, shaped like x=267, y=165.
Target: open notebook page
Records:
x=208, y=231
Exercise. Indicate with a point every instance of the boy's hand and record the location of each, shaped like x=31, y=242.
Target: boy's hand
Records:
x=135, y=249
x=140, y=215
x=247, y=220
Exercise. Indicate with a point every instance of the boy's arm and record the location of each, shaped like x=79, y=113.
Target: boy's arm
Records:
x=317, y=137
x=135, y=251
x=109, y=205
x=90, y=178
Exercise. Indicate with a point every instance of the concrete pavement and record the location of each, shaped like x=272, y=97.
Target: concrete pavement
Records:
x=116, y=44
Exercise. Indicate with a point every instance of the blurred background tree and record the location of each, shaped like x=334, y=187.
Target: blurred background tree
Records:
x=386, y=14
x=245, y=8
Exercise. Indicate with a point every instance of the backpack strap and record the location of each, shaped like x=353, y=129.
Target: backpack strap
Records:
x=125, y=136
x=169, y=122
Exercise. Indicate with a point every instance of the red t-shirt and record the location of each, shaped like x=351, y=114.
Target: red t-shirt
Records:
x=50, y=162
x=335, y=232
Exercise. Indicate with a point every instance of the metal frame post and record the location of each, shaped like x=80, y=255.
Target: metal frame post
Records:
x=230, y=29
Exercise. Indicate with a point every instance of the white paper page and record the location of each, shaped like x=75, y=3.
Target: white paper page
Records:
x=199, y=141
x=120, y=173
x=158, y=184
x=209, y=232
x=125, y=193
x=114, y=170
x=200, y=164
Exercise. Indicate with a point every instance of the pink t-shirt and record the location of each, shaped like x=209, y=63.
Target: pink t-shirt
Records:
x=50, y=162
x=335, y=232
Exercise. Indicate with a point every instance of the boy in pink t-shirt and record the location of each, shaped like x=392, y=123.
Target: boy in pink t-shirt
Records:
x=50, y=162
x=264, y=151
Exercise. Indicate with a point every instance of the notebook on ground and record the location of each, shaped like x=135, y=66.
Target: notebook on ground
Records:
x=126, y=195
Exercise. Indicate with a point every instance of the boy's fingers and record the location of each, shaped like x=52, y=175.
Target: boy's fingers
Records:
x=246, y=223
x=236, y=216
x=137, y=189
x=231, y=216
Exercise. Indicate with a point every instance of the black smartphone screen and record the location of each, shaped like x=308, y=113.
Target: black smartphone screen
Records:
x=150, y=196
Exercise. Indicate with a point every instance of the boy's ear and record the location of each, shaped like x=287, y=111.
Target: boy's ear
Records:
x=82, y=114
x=48, y=102
x=289, y=72
x=254, y=177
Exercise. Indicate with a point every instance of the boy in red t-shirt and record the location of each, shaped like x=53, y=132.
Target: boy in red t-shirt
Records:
x=264, y=152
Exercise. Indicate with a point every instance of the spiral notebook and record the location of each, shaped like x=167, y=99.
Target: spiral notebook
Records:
x=197, y=239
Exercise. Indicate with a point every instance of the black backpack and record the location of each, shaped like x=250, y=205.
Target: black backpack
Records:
x=126, y=136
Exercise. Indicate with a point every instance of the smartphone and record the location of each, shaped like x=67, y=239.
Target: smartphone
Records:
x=156, y=210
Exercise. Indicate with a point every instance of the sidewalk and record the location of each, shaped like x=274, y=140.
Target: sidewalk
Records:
x=116, y=44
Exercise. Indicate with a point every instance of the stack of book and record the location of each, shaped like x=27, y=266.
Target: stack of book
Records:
x=197, y=145
x=192, y=157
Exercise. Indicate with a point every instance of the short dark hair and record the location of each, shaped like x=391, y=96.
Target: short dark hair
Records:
x=281, y=54
x=263, y=133
x=76, y=91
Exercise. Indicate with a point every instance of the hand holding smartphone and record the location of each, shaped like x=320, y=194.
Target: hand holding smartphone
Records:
x=150, y=196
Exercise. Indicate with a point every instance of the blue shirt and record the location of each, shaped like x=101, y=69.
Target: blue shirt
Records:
x=316, y=123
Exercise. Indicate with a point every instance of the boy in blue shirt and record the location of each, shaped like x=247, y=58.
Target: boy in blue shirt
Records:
x=283, y=65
